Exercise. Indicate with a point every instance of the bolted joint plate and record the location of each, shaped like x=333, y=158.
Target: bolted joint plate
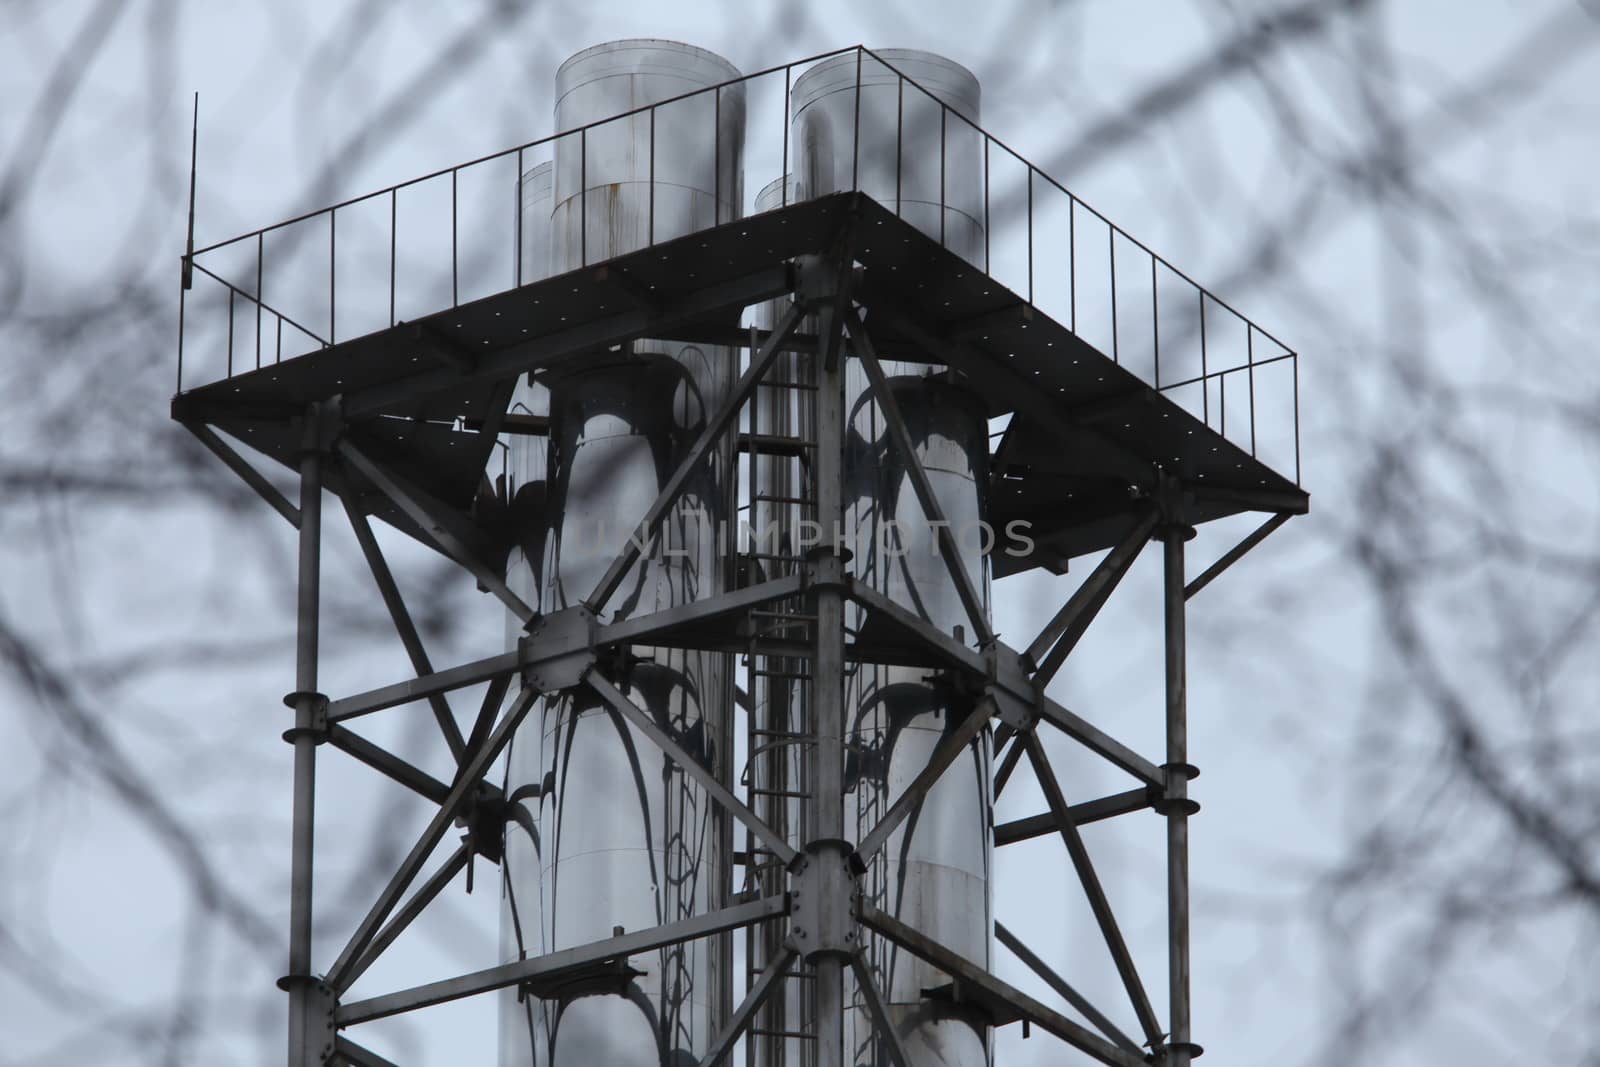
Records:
x=1174, y=799
x=1011, y=686
x=822, y=891
x=825, y=568
x=311, y=716
x=558, y=649
x=318, y=1001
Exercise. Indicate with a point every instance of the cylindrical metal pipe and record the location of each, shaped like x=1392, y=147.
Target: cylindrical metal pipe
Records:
x=914, y=147
x=1178, y=806
x=829, y=703
x=526, y=489
x=621, y=838
x=909, y=145
x=650, y=177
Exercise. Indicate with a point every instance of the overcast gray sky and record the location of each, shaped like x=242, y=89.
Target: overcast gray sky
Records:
x=1403, y=191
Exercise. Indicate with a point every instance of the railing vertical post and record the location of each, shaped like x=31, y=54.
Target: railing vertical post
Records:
x=855, y=152
x=1250, y=378
x=583, y=197
x=988, y=267
x=1205, y=382
x=783, y=171
x=1030, y=231
x=277, y=356
x=899, y=139
x=393, y=230
x=1072, y=262
x=517, y=268
x=943, y=110
x=260, y=256
x=1111, y=242
x=230, y=331
x=455, y=270
x=1222, y=403
x=183, y=292
x=716, y=157
x=650, y=226
x=1294, y=363
x=333, y=269
x=1155, y=322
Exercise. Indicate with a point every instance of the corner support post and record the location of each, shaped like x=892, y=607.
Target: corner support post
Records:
x=311, y=1033
x=1174, y=803
x=824, y=285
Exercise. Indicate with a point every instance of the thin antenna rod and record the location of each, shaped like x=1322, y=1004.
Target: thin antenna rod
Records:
x=194, y=144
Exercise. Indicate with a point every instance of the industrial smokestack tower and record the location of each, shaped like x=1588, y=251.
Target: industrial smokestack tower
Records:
x=744, y=487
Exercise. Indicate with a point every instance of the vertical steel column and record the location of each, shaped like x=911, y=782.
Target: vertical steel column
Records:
x=307, y=1029
x=1176, y=805
x=827, y=670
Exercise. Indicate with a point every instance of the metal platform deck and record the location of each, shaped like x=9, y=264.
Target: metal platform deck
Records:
x=1086, y=442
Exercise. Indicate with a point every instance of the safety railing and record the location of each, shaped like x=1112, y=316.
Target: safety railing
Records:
x=370, y=262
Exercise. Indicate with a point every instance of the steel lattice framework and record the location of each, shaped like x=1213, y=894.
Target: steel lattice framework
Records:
x=399, y=423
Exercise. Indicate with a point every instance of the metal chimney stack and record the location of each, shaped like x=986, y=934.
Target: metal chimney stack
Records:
x=649, y=366
x=934, y=871
x=622, y=840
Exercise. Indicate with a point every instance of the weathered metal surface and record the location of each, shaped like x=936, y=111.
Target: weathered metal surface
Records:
x=610, y=833
x=857, y=125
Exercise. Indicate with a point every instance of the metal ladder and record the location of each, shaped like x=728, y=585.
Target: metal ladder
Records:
x=774, y=778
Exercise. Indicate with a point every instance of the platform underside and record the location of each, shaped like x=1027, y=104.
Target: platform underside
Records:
x=1087, y=442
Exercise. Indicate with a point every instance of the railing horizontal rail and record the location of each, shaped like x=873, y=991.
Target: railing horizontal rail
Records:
x=550, y=139
x=1101, y=285
x=268, y=308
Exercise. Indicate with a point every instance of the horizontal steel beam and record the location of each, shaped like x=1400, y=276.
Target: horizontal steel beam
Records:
x=1041, y=825
x=388, y=696
x=979, y=985
x=556, y=964
x=644, y=629
x=597, y=334
x=1082, y=1003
